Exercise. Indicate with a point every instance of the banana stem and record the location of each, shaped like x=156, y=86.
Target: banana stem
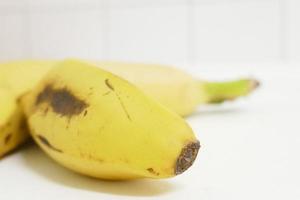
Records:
x=218, y=92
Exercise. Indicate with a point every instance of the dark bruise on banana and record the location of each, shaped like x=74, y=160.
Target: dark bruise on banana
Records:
x=152, y=171
x=109, y=85
x=7, y=138
x=65, y=103
x=47, y=144
x=62, y=101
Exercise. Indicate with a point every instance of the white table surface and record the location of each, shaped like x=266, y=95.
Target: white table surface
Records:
x=250, y=150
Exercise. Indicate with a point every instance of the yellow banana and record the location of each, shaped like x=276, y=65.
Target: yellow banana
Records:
x=16, y=78
x=100, y=125
x=13, y=130
x=177, y=90
x=21, y=76
x=173, y=88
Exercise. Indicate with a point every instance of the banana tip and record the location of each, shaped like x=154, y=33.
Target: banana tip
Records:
x=254, y=84
x=187, y=157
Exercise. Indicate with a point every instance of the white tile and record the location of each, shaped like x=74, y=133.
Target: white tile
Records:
x=8, y=3
x=144, y=3
x=293, y=32
x=11, y=37
x=151, y=34
x=237, y=31
x=63, y=2
x=70, y=34
x=12, y=7
x=41, y=6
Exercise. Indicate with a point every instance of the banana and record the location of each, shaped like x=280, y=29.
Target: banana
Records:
x=177, y=90
x=95, y=123
x=173, y=88
x=16, y=78
x=13, y=131
x=21, y=76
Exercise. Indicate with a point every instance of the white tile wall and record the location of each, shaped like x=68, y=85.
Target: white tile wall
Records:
x=12, y=44
x=237, y=31
x=67, y=34
x=167, y=31
x=153, y=34
x=144, y=3
x=293, y=30
x=63, y=3
x=12, y=3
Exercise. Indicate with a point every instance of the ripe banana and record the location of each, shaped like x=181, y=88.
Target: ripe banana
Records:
x=100, y=125
x=16, y=78
x=173, y=88
x=177, y=90
x=12, y=123
x=21, y=76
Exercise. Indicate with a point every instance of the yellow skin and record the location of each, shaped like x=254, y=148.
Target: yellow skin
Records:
x=177, y=90
x=100, y=125
x=20, y=76
x=12, y=123
x=174, y=89
x=15, y=80
x=171, y=87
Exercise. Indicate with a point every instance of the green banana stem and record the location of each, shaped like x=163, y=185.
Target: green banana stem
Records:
x=218, y=92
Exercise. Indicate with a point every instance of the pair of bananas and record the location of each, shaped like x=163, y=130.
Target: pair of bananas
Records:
x=90, y=120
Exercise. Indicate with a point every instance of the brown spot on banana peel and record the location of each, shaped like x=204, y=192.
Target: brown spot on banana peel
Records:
x=62, y=101
x=152, y=171
x=85, y=113
x=109, y=85
x=88, y=156
x=7, y=138
x=187, y=157
x=46, y=143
